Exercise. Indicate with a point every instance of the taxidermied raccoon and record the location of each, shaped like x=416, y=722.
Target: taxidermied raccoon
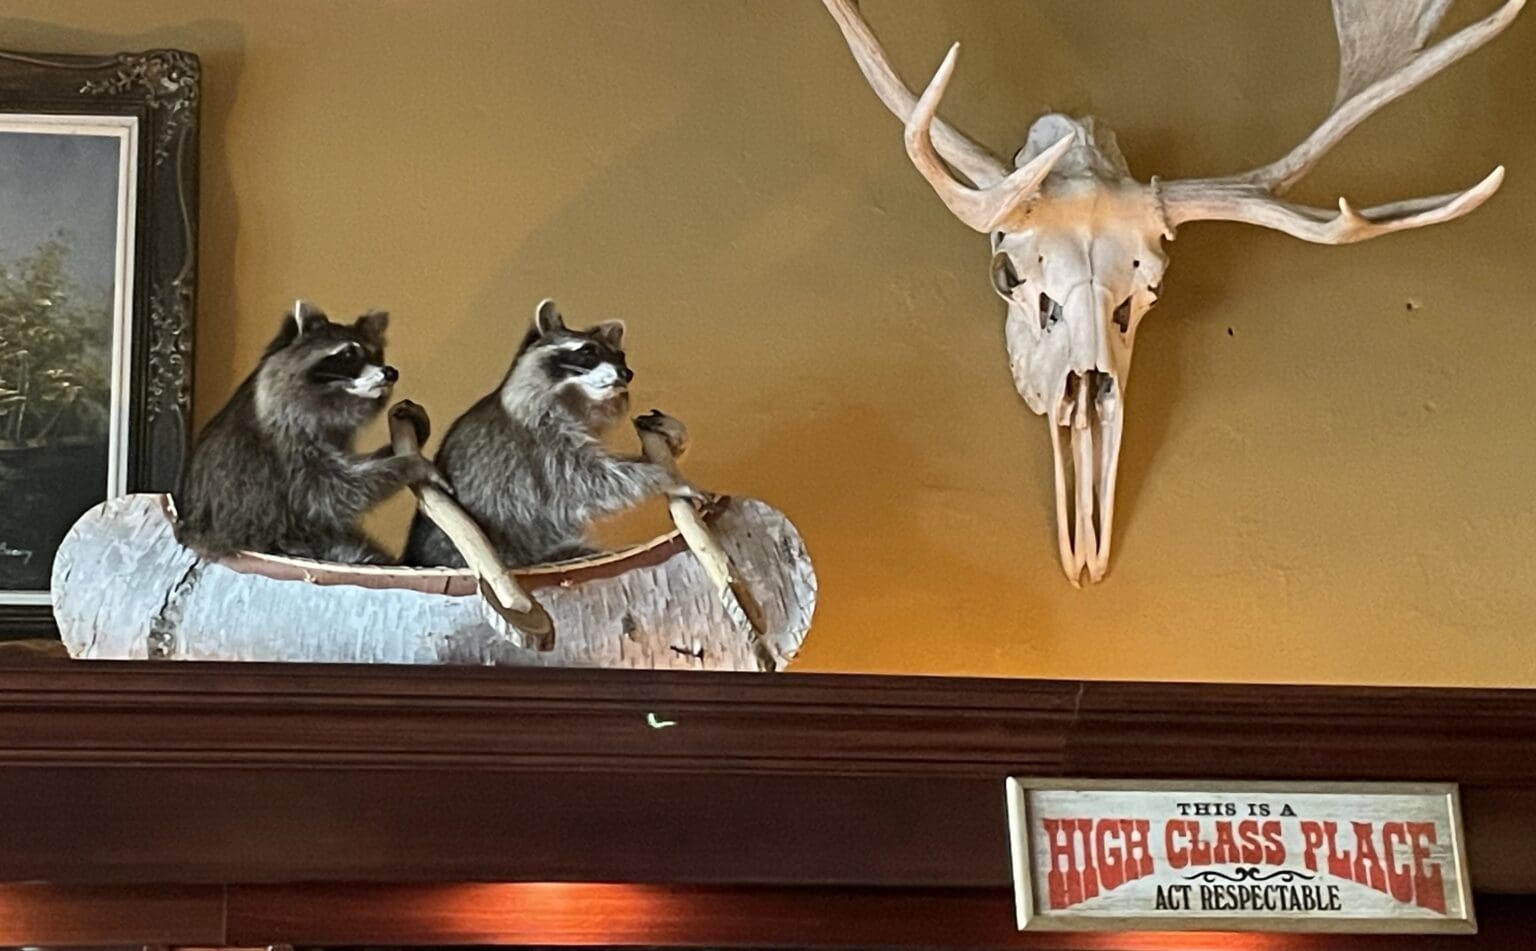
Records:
x=526, y=461
x=275, y=470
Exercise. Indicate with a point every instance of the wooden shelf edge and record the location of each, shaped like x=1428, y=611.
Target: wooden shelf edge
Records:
x=594, y=915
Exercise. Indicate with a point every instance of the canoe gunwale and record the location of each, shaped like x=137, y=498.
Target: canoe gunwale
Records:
x=126, y=588
x=457, y=582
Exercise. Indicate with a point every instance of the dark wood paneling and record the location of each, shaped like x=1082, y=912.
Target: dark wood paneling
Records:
x=32, y=915
x=1474, y=737
x=230, y=773
x=617, y=915
x=279, y=825
x=608, y=915
x=94, y=714
x=357, y=717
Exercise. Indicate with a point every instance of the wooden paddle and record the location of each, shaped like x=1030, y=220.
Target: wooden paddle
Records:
x=532, y=625
x=659, y=434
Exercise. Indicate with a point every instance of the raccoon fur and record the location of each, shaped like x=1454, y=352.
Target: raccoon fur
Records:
x=526, y=461
x=275, y=470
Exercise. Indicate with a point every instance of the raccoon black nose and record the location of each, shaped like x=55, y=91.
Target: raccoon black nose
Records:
x=626, y=374
x=391, y=374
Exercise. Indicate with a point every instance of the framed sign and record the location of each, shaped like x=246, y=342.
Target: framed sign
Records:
x=1206, y=856
x=98, y=195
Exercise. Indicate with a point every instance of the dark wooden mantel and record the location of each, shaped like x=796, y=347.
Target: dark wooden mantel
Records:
x=247, y=804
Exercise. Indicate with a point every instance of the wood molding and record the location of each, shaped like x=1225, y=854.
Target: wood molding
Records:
x=34, y=914
x=200, y=715
x=254, y=916
x=644, y=916
x=249, y=773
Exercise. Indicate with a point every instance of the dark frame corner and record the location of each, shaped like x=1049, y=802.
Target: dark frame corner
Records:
x=163, y=89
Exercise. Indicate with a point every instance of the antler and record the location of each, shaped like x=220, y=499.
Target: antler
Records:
x=931, y=141
x=969, y=158
x=983, y=209
x=1182, y=202
x=1381, y=58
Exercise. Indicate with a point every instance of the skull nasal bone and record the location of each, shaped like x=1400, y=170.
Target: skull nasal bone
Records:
x=1091, y=308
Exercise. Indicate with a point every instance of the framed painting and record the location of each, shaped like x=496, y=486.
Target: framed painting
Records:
x=98, y=251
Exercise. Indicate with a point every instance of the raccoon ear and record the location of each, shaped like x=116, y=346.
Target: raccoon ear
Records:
x=305, y=317
x=285, y=335
x=547, y=319
x=372, y=325
x=611, y=333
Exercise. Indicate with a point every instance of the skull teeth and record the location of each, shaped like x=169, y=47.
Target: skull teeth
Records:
x=1089, y=411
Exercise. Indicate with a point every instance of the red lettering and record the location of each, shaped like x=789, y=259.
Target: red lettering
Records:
x=1178, y=854
x=1428, y=886
x=1138, y=858
x=1338, y=863
x=1248, y=832
x=1199, y=852
x=1367, y=866
x=1225, y=851
x=1110, y=855
x=1090, y=874
x=1274, y=846
x=1063, y=883
x=1311, y=841
x=1399, y=877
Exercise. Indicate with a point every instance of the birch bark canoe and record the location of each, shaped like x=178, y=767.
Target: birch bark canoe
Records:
x=124, y=588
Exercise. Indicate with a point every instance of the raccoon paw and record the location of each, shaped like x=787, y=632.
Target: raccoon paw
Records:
x=420, y=471
x=675, y=433
x=416, y=414
x=691, y=492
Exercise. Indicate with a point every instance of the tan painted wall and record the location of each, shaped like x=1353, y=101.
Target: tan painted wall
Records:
x=1320, y=483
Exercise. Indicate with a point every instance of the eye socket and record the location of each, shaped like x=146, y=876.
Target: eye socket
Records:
x=1004, y=277
x=1122, y=316
x=1050, y=312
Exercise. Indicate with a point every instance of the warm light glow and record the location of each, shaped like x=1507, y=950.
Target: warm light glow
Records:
x=595, y=914
x=1196, y=941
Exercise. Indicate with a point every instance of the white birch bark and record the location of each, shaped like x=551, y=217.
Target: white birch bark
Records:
x=125, y=588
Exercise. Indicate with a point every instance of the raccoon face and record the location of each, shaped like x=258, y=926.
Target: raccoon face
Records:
x=585, y=368
x=333, y=370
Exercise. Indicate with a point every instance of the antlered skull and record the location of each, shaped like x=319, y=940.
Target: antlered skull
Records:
x=1077, y=242
x=1078, y=270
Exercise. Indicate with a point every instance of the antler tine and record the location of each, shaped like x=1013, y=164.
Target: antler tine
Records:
x=1381, y=58
x=1189, y=201
x=968, y=157
x=982, y=209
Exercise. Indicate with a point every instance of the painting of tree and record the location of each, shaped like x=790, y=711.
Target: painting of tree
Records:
x=98, y=282
x=59, y=252
x=55, y=342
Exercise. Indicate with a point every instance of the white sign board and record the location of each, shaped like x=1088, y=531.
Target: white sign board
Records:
x=1203, y=856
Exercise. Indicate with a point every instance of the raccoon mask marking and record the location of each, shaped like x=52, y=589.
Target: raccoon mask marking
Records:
x=318, y=375
x=276, y=471
x=526, y=462
x=582, y=370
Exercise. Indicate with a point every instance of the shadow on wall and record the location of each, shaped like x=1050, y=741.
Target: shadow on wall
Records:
x=220, y=45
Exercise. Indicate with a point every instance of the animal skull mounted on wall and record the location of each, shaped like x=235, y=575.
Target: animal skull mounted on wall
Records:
x=1077, y=242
